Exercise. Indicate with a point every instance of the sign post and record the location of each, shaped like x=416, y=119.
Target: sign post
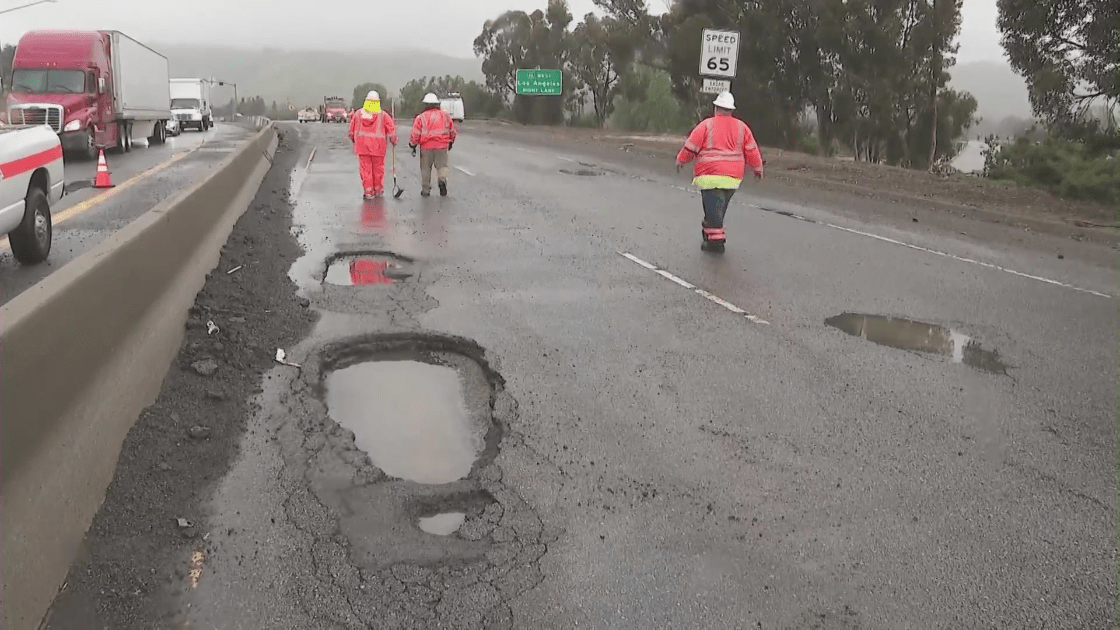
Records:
x=719, y=57
x=539, y=82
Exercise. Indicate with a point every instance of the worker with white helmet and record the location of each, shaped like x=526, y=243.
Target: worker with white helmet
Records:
x=722, y=147
x=371, y=130
x=433, y=132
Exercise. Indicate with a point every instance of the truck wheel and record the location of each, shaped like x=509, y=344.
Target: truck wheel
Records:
x=89, y=151
x=127, y=138
x=31, y=241
x=159, y=134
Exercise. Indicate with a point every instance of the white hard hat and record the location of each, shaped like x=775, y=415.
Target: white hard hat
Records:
x=431, y=99
x=373, y=96
x=725, y=100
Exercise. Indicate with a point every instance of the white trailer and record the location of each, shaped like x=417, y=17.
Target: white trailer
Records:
x=141, y=87
x=190, y=103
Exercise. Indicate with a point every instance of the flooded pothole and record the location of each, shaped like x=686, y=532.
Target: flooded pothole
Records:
x=908, y=334
x=419, y=410
x=442, y=524
x=363, y=269
x=582, y=172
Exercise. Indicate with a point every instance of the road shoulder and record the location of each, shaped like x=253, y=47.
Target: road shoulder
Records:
x=183, y=444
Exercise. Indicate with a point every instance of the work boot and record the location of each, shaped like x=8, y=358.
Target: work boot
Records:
x=367, y=194
x=714, y=239
x=425, y=193
x=443, y=189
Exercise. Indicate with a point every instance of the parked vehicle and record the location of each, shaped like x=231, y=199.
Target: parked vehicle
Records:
x=334, y=109
x=308, y=114
x=95, y=89
x=31, y=179
x=453, y=105
x=190, y=103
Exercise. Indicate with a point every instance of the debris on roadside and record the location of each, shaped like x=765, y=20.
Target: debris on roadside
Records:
x=282, y=358
x=234, y=269
x=211, y=327
x=205, y=367
x=199, y=432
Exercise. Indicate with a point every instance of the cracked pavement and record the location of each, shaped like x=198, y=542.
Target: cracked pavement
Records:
x=648, y=458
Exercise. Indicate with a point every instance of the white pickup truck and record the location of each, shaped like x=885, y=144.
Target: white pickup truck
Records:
x=31, y=179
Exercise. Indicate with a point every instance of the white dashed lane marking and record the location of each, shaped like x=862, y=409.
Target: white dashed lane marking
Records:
x=460, y=168
x=919, y=248
x=692, y=287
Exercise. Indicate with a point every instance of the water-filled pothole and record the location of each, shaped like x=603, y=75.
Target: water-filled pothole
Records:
x=442, y=524
x=410, y=417
x=908, y=334
x=367, y=269
x=582, y=172
x=423, y=408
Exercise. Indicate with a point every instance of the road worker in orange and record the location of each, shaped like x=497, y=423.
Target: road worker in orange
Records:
x=371, y=130
x=723, y=146
x=433, y=132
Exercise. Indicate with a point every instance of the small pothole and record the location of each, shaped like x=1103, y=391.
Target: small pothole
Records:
x=908, y=334
x=582, y=172
x=367, y=268
x=443, y=524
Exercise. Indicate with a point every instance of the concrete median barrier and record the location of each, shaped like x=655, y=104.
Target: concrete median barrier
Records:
x=82, y=353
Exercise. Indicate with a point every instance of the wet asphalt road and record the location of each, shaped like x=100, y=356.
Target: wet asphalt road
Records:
x=194, y=154
x=648, y=455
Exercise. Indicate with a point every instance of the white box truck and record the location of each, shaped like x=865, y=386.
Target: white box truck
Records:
x=453, y=105
x=190, y=103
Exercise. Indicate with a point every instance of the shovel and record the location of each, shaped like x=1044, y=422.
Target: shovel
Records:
x=397, y=190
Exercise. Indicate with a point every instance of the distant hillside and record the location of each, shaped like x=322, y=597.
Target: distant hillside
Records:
x=999, y=92
x=305, y=77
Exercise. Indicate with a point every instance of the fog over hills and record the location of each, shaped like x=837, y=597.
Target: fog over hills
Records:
x=304, y=77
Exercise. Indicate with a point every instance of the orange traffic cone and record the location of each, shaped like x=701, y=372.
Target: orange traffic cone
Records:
x=102, y=180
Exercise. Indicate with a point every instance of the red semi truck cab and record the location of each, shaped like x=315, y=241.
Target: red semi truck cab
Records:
x=95, y=89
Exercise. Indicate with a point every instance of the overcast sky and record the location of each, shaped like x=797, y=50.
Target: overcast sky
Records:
x=447, y=26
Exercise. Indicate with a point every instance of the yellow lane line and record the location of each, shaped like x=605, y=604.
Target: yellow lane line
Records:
x=74, y=211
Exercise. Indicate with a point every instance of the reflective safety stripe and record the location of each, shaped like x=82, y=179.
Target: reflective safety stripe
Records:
x=378, y=129
x=425, y=126
x=709, y=154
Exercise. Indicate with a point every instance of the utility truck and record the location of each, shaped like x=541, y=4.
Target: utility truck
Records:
x=95, y=89
x=31, y=179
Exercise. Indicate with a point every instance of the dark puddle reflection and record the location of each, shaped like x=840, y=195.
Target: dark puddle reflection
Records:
x=907, y=334
x=411, y=418
x=365, y=270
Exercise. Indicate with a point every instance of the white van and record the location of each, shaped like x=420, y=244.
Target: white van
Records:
x=453, y=105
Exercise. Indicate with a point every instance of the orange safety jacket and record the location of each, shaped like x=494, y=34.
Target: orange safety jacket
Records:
x=721, y=145
x=433, y=129
x=371, y=132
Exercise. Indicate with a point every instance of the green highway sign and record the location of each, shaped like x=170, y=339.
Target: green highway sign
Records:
x=539, y=82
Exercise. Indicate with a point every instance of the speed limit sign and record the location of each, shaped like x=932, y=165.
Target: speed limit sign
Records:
x=719, y=53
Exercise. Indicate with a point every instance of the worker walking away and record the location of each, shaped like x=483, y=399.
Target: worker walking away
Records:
x=722, y=146
x=433, y=132
x=370, y=130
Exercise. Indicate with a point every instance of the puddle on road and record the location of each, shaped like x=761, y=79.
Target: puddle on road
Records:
x=442, y=524
x=365, y=270
x=581, y=172
x=907, y=334
x=410, y=417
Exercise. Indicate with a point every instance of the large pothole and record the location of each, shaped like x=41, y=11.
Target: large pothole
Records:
x=421, y=409
x=908, y=334
x=367, y=268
